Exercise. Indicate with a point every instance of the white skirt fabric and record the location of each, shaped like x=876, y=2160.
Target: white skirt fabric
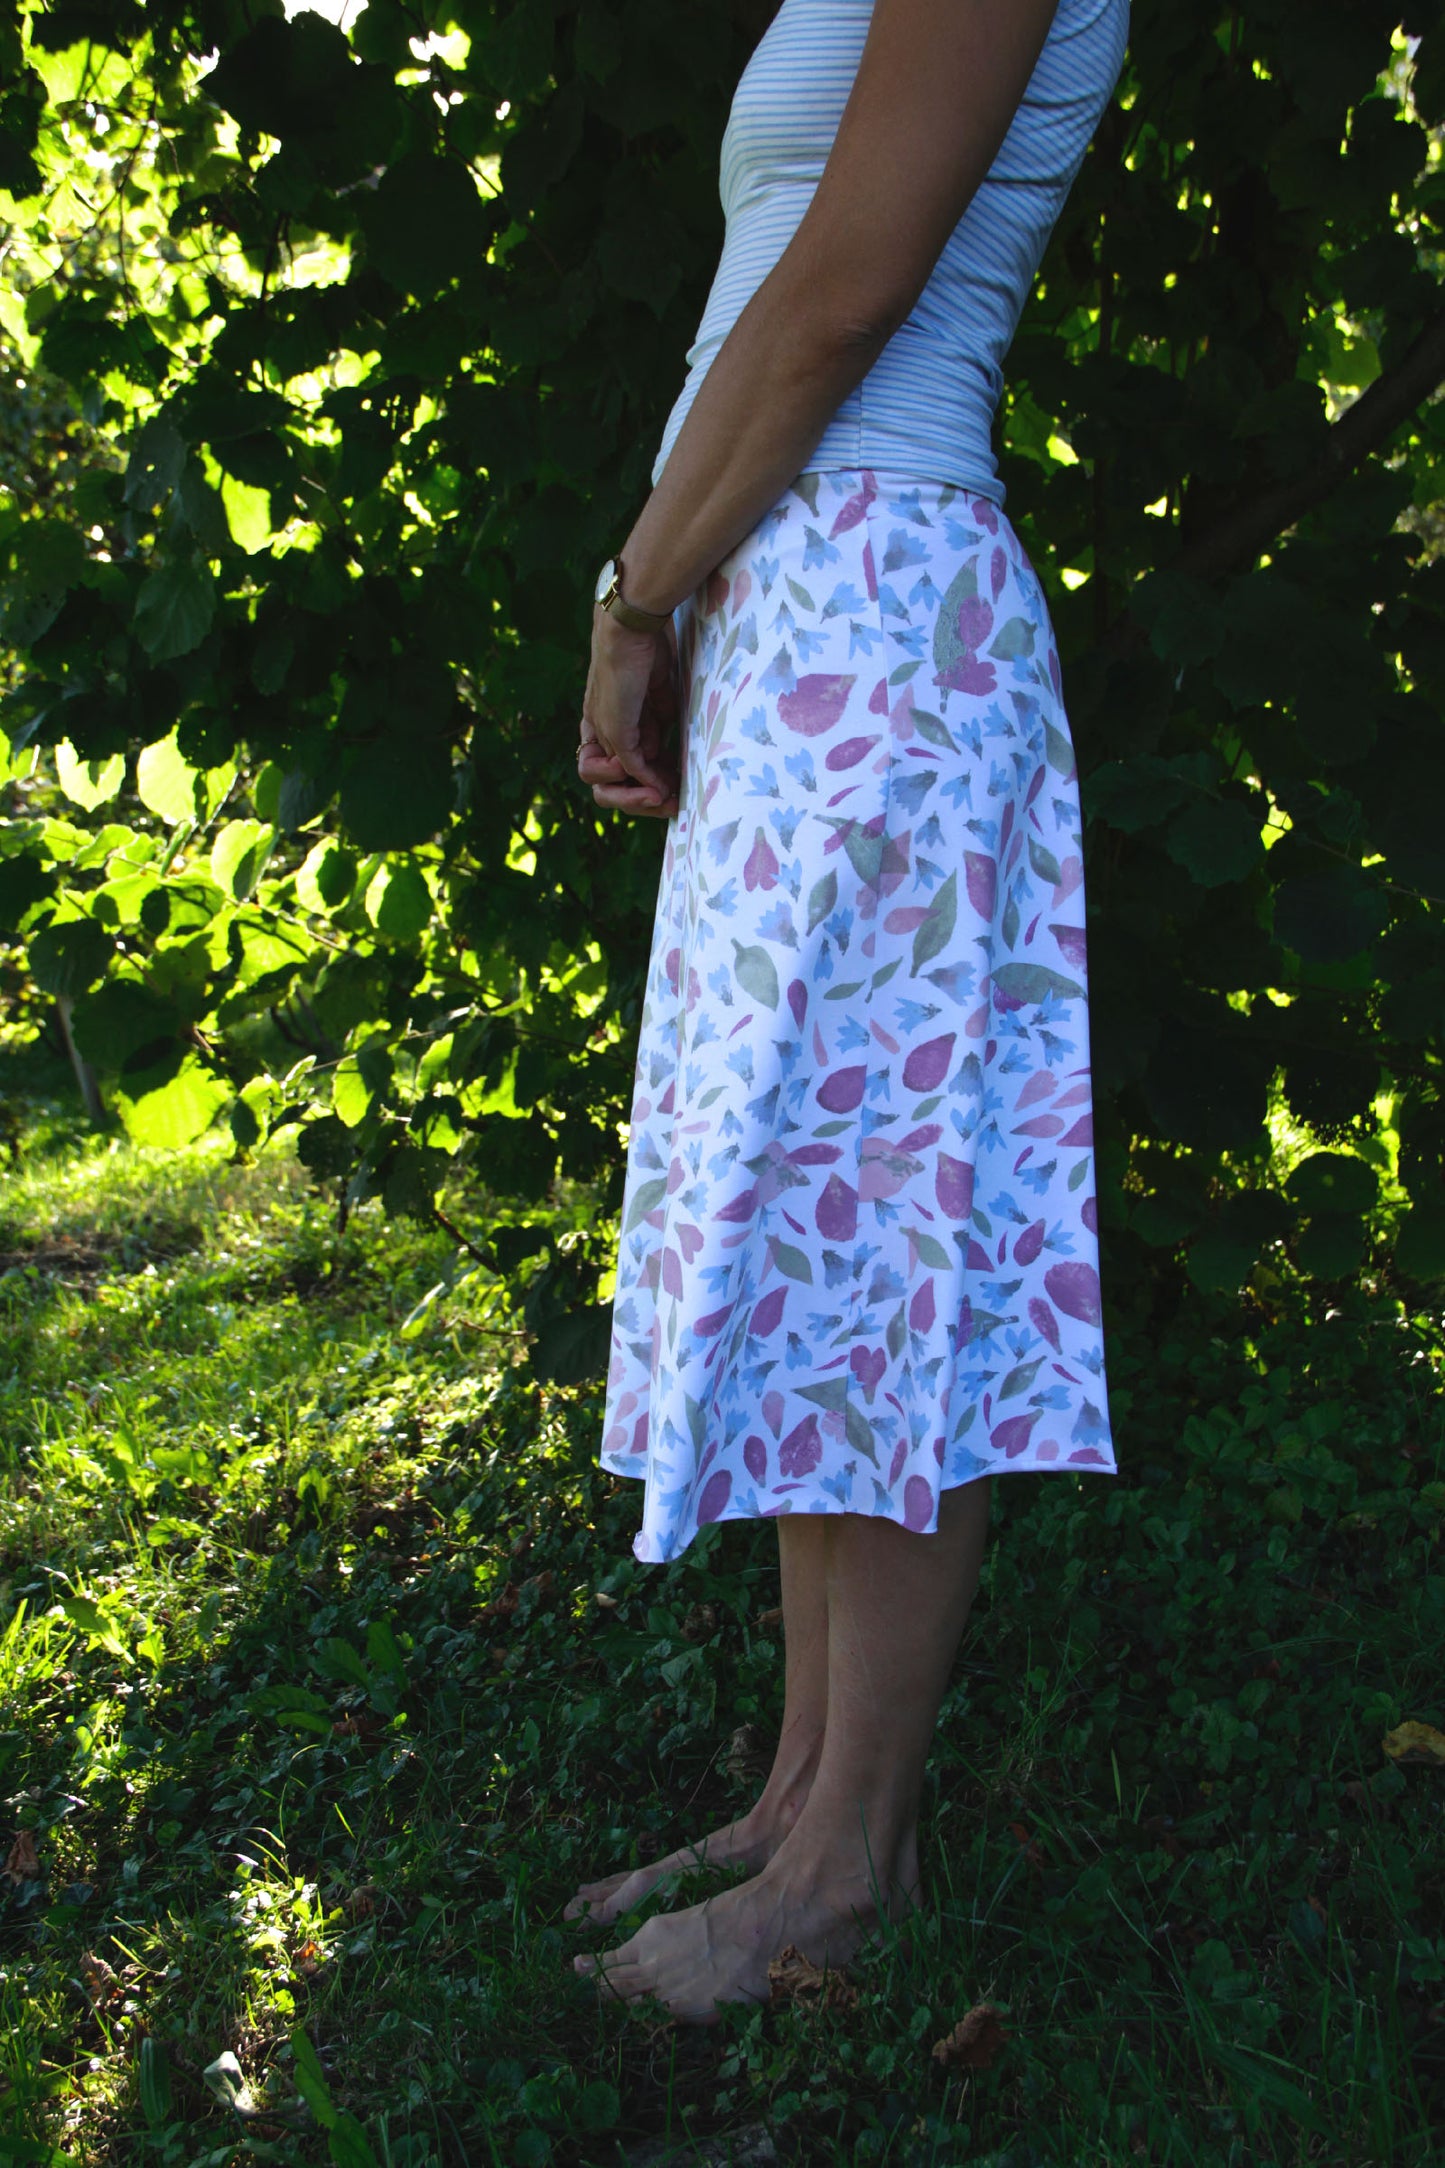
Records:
x=859, y=1252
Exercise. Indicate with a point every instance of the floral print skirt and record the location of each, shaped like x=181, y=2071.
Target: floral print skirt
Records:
x=858, y=1262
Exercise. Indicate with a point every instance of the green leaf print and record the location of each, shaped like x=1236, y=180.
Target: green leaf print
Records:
x=933, y=728
x=1043, y=861
x=1059, y=750
x=903, y=673
x=897, y=1332
x=936, y=931
x=865, y=854
x=859, y=1433
x=948, y=647
x=1009, y=923
x=801, y=596
x=647, y=1199
x=792, y=1262
x=1015, y=637
x=1033, y=982
x=1020, y=1378
x=832, y=1393
x=931, y=1251
x=821, y=898
x=757, y=974
x=696, y=1421
x=807, y=487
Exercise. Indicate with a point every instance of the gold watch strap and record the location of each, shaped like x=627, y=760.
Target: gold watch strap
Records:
x=627, y=613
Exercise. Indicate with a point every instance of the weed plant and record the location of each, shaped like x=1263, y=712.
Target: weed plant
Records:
x=327, y=1673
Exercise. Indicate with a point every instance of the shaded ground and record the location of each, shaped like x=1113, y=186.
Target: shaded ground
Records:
x=327, y=1672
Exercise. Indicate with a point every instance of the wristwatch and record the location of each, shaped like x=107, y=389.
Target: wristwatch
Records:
x=608, y=593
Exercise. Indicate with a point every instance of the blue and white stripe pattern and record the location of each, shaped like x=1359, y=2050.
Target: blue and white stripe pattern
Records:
x=927, y=404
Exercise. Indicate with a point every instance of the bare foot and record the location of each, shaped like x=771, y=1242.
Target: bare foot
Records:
x=749, y=1843
x=720, y=1951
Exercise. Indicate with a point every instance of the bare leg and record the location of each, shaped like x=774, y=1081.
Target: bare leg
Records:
x=897, y=1603
x=752, y=1841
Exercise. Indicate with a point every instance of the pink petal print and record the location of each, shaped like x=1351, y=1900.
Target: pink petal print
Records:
x=1041, y=1125
x=1071, y=873
x=870, y=574
x=817, y=703
x=802, y=1449
x=755, y=1458
x=953, y=1187
x=773, y=1410
x=855, y=509
x=672, y=969
x=917, y=1503
x=837, y=1211
x=978, y=1258
x=927, y=1066
x=768, y=1313
x=1042, y=1317
x=798, y=1001
x=878, y=698
x=1039, y=1085
x=1011, y=1438
x=760, y=868
x=981, y=876
x=1073, y=946
x=997, y=572
x=689, y=1241
x=967, y=675
x=740, y=1208
x=841, y=1092
x=1074, y=1289
x=743, y=587
x=1089, y=1214
x=849, y=753
x=1029, y=1243
x=895, y=1466
x=671, y=1273
x=715, y=1494
x=713, y=1323
x=921, y=1310
x=918, y=1140
x=975, y=620
x=868, y=1366
x=1081, y=1133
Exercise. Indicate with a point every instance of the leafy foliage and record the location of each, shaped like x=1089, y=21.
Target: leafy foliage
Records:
x=336, y=362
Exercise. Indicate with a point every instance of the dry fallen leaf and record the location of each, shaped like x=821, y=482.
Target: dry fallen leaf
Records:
x=22, y=1861
x=792, y=1978
x=101, y=1983
x=361, y=1904
x=1029, y=1846
x=974, y=2042
x=1415, y=1742
x=769, y=1618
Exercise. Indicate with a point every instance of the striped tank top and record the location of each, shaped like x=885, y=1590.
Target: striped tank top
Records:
x=926, y=406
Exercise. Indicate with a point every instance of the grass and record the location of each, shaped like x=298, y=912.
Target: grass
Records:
x=326, y=1672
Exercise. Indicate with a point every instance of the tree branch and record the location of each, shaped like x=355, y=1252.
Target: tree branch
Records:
x=1239, y=536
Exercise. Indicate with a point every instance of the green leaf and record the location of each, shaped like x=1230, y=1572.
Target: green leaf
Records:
x=395, y=795
x=311, y=2079
x=349, y=2145
x=175, y=1113
x=326, y=876
x=1333, y=1182
x=239, y=855
x=1420, y=1243
x=1327, y=917
x=169, y=786
x=1215, y=841
x=399, y=902
x=88, y=783
x=67, y=958
x=174, y=609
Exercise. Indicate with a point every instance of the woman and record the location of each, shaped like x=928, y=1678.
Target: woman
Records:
x=858, y=1266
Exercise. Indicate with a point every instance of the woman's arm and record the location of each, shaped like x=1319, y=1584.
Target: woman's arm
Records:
x=938, y=84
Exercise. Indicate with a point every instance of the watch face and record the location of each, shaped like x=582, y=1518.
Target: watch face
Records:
x=604, y=579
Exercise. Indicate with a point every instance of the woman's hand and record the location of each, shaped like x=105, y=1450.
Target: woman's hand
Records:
x=628, y=754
